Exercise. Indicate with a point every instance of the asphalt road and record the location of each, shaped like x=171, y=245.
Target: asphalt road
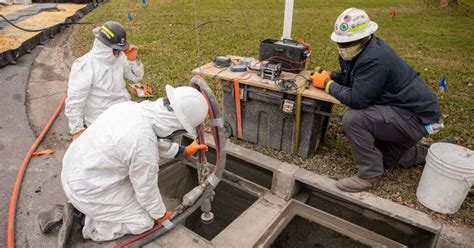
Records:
x=30, y=92
x=16, y=135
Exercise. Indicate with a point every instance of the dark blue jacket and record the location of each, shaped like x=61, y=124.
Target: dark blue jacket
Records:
x=377, y=76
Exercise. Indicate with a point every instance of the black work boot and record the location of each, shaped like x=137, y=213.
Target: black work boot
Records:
x=64, y=233
x=47, y=220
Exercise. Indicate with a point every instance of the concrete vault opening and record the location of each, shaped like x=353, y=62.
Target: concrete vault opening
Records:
x=263, y=202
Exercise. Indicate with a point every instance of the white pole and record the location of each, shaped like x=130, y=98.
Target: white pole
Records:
x=288, y=19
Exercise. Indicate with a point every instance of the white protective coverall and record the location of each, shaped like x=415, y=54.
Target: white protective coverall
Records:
x=96, y=82
x=110, y=173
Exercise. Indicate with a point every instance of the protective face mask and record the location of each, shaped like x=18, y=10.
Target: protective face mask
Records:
x=116, y=53
x=348, y=53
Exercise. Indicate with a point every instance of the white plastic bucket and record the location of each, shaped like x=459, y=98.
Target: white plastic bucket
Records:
x=447, y=177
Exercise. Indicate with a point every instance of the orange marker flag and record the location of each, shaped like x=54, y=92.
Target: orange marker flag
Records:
x=393, y=13
x=39, y=153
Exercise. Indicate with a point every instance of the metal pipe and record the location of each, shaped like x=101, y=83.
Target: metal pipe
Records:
x=288, y=19
x=207, y=217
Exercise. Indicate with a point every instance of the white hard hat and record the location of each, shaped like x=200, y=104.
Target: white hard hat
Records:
x=353, y=24
x=189, y=105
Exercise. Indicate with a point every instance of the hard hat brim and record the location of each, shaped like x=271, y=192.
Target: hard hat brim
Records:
x=177, y=110
x=121, y=48
x=96, y=32
x=371, y=28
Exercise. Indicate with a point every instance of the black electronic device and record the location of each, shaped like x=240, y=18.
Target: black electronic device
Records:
x=222, y=61
x=291, y=54
x=269, y=71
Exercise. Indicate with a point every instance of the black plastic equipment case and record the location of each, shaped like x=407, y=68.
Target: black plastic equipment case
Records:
x=290, y=54
x=268, y=121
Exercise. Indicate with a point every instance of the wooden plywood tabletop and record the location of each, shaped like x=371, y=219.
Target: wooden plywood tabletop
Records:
x=251, y=78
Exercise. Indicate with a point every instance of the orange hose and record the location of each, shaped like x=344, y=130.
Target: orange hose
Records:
x=21, y=173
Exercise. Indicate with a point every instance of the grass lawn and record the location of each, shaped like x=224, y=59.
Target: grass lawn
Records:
x=435, y=42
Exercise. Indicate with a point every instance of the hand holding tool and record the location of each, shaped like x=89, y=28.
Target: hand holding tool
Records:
x=194, y=147
x=165, y=217
x=131, y=52
x=320, y=78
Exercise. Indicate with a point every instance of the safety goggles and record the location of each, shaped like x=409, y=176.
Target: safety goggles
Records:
x=354, y=43
x=348, y=44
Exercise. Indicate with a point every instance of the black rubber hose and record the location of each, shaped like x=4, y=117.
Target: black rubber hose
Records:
x=41, y=29
x=219, y=139
x=199, y=83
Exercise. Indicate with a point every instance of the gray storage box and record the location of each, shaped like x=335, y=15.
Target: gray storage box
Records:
x=268, y=118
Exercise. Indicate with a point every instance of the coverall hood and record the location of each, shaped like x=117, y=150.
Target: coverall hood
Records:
x=164, y=122
x=103, y=53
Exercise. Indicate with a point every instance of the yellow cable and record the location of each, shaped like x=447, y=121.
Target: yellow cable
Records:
x=296, y=132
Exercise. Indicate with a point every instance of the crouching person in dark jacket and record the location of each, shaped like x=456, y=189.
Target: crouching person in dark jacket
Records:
x=390, y=105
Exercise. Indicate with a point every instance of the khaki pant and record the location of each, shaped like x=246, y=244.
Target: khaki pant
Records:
x=384, y=136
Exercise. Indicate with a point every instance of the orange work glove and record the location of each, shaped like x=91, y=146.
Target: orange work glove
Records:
x=131, y=52
x=194, y=147
x=165, y=217
x=76, y=135
x=320, y=78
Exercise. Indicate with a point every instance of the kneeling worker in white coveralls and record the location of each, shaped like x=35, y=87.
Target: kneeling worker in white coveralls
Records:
x=110, y=173
x=97, y=79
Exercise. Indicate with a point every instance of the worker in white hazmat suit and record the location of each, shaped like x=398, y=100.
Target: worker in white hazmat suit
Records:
x=110, y=173
x=97, y=79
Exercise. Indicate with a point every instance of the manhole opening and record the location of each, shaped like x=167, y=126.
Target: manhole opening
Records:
x=301, y=232
x=301, y=225
x=379, y=223
x=242, y=168
x=229, y=201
